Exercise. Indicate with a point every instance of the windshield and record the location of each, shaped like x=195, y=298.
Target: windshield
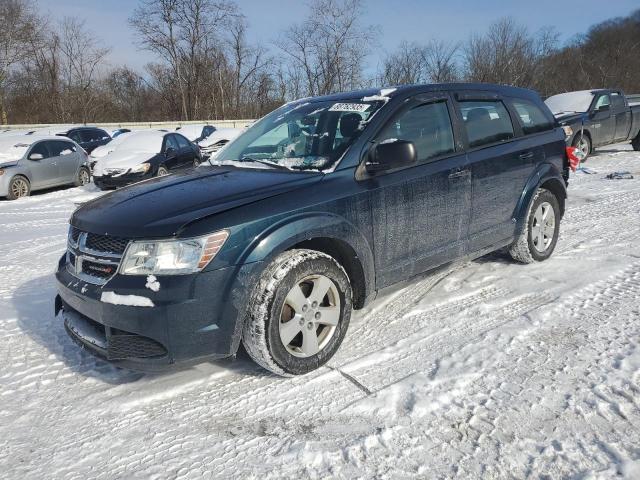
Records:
x=302, y=136
x=572, y=102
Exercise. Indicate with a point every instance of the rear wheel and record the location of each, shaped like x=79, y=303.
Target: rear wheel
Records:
x=583, y=143
x=19, y=187
x=83, y=177
x=635, y=143
x=162, y=171
x=540, y=234
x=298, y=314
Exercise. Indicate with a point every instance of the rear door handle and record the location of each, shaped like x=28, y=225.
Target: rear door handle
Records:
x=526, y=156
x=459, y=174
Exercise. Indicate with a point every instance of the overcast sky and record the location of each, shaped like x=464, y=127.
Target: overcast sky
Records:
x=412, y=20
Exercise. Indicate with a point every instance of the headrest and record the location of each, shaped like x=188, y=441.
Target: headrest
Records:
x=349, y=124
x=478, y=114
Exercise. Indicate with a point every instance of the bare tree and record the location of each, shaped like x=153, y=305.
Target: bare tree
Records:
x=183, y=34
x=404, y=66
x=18, y=30
x=440, y=61
x=330, y=46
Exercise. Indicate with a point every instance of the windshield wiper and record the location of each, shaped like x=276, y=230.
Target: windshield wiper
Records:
x=265, y=162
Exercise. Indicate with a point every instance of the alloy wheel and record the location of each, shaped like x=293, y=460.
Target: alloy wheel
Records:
x=543, y=227
x=84, y=177
x=309, y=316
x=583, y=146
x=19, y=188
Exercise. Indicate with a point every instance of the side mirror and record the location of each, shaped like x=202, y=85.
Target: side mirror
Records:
x=387, y=156
x=36, y=156
x=603, y=108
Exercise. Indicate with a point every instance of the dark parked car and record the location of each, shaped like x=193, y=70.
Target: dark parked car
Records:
x=594, y=118
x=87, y=137
x=323, y=203
x=142, y=155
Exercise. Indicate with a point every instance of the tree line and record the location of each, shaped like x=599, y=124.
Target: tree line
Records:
x=204, y=66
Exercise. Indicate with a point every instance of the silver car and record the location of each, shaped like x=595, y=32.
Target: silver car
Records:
x=32, y=162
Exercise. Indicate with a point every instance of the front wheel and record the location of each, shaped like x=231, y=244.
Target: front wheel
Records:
x=162, y=171
x=583, y=143
x=540, y=234
x=19, y=187
x=298, y=314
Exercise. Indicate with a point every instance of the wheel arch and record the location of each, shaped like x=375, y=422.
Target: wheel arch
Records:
x=326, y=233
x=546, y=176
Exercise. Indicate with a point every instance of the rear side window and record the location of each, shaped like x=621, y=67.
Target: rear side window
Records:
x=486, y=122
x=60, y=147
x=617, y=102
x=428, y=126
x=182, y=142
x=532, y=118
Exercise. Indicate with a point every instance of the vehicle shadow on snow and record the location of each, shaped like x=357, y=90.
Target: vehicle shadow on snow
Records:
x=34, y=305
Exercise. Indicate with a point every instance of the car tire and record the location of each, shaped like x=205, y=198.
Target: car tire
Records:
x=292, y=326
x=635, y=143
x=19, y=187
x=162, y=171
x=583, y=142
x=539, y=236
x=83, y=177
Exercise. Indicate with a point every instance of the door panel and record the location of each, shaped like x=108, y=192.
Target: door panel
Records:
x=420, y=213
x=603, y=122
x=622, y=115
x=172, y=152
x=67, y=159
x=500, y=166
x=44, y=172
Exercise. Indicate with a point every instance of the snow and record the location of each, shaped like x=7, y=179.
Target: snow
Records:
x=490, y=369
x=570, y=102
x=152, y=283
x=383, y=96
x=129, y=300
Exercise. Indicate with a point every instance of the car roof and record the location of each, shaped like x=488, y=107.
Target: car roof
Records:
x=394, y=91
x=30, y=139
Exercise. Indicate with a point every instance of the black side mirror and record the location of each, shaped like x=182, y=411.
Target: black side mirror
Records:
x=387, y=156
x=604, y=108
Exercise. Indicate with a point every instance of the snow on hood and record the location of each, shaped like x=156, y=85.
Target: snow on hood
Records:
x=220, y=134
x=107, y=148
x=121, y=159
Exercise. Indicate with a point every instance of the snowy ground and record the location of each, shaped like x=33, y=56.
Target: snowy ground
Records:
x=492, y=370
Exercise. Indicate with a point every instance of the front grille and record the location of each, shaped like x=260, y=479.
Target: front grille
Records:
x=94, y=258
x=106, y=243
x=130, y=345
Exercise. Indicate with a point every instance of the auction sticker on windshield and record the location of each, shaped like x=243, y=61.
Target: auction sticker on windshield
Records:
x=350, y=107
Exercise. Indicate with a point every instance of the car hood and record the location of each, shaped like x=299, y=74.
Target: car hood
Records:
x=160, y=207
x=124, y=159
x=569, y=117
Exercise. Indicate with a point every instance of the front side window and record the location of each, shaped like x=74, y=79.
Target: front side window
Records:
x=41, y=148
x=428, y=126
x=603, y=100
x=88, y=136
x=532, y=118
x=486, y=122
x=75, y=136
x=182, y=142
x=171, y=143
x=303, y=135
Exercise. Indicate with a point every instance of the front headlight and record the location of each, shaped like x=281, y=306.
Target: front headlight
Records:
x=142, y=168
x=568, y=131
x=171, y=257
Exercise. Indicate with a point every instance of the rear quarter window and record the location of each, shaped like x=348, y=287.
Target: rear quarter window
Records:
x=532, y=117
x=486, y=122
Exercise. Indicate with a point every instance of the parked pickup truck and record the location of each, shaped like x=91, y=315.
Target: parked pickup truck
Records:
x=594, y=118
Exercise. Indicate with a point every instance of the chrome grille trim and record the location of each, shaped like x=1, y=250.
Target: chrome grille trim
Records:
x=78, y=252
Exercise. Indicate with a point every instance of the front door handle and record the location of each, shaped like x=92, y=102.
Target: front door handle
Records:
x=526, y=156
x=459, y=174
